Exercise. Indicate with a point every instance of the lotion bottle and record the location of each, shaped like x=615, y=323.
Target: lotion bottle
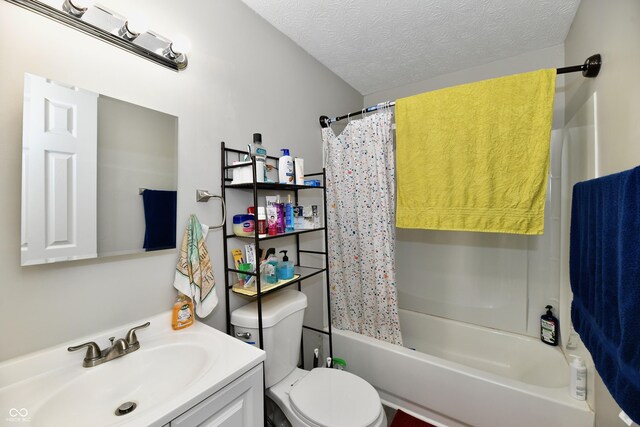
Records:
x=285, y=167
x=578, y=379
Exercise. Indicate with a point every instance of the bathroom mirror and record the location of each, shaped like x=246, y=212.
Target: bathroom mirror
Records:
x=99, y=175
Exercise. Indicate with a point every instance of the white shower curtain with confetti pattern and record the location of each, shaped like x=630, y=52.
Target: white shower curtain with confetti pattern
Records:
x=360, y=210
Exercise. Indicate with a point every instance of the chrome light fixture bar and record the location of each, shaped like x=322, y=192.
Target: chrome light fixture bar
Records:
x=148, y=45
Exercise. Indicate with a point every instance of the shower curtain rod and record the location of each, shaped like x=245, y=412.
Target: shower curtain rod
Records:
x=590, y=69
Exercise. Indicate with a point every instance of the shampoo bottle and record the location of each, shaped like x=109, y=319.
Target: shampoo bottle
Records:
x=182, y=312
x=285, y=167
x=549, y=327
x=578, y=379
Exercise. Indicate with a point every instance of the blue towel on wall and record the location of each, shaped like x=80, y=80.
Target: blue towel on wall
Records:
x=605, y=279
x=160, y=219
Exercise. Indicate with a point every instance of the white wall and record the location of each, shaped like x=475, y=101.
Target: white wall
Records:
x=243, y=77
x=496, y=280
x=613, y=31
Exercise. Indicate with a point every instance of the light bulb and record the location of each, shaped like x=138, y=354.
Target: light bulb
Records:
x=77, y=8
x=84, y=3
x=137, y=23
x=181, y=44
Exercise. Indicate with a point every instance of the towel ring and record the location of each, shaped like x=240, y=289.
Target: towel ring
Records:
x=204, y=196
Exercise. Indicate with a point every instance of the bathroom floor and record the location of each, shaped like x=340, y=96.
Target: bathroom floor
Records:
x=396, y=418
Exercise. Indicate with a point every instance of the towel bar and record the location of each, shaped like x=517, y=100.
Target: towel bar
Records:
x=204, y=196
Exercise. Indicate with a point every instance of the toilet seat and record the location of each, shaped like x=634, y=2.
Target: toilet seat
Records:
x=330, y=397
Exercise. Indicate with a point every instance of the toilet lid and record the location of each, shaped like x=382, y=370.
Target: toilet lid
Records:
x=331, y=398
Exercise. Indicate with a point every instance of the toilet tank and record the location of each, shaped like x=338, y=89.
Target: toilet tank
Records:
x=282, y=315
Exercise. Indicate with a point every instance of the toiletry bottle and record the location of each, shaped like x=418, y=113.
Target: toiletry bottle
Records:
x=285, y=167
x=261, y=158
x=578, y=379
x=272, y=220
x=262, y=222
x=182, y=312
x=285, y=268
x=549, y=328
x=269, y=270
x=297, y=217
x=280, y=218
x=299, y=167
x=288, y=215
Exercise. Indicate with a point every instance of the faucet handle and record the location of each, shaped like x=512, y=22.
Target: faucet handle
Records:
x=131, y=337
x=93, y=351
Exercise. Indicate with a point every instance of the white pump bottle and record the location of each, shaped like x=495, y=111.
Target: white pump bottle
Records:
x=578, y=379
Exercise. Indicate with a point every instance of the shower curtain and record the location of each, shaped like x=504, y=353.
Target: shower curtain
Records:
x=360, y=211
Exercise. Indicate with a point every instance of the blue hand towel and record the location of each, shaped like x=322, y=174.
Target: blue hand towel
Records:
x=160, y=219
x=605, y=279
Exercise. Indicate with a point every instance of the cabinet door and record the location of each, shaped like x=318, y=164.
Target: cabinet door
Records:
x=239, y=404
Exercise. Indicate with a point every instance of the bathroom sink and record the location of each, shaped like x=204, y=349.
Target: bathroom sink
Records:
x=171, y=372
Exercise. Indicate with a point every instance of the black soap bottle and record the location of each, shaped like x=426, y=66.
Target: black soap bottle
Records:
x=549, y=327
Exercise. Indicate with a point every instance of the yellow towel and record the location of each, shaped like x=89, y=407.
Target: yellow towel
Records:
x=475, y=157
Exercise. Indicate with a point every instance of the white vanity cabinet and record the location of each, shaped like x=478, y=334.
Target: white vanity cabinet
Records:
x=239, y=404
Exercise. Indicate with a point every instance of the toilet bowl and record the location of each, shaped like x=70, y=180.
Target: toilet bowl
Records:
x=320, y=397
x=328, y=397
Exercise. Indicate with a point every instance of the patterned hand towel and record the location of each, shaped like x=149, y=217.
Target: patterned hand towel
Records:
x=604, y=268
x=475, y=157
x=194, y=275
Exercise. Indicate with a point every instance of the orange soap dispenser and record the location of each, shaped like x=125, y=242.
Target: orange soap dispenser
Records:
x=183, y=313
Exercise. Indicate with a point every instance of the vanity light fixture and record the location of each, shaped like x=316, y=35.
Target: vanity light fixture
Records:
x=108, y=26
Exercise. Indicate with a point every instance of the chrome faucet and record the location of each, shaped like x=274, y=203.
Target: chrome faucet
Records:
x=119, y=348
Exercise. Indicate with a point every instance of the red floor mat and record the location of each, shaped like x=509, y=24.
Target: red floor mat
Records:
x=402, y=419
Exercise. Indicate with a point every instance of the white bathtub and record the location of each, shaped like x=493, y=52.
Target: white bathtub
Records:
x=464, y=375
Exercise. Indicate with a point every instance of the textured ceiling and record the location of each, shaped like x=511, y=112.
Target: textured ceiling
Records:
x=381, y=44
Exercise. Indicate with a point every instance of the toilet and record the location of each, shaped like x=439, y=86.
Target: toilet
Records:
x=320, y=397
